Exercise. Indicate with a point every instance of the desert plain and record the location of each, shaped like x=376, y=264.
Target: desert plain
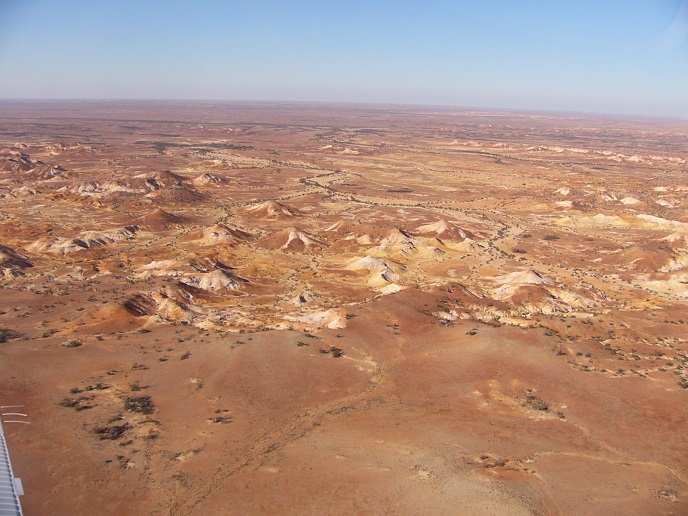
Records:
x=272, y=308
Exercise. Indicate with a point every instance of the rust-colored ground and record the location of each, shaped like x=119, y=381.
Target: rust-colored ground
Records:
x=301, y=309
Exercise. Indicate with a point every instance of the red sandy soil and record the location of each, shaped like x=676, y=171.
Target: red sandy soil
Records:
x=313, y=309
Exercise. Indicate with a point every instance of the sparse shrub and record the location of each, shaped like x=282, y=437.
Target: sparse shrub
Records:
x=139, y=404
x=110, y=432
x=221, y=419
x=6, y=335
x=77, y=404
x=537, y=403
x=69, y=402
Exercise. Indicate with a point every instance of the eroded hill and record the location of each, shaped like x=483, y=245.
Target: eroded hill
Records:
x=228, y=307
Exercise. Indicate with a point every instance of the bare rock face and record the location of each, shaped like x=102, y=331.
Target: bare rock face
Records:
x=12, y=160
x=141, y=305
x=12, y=264
x=10, y=258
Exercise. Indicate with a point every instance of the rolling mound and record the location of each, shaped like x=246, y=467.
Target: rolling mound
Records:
x=160, y=218
x=206, y=179
x=56, y=245
x=407, y=328
x=176, y=195
x=12, y=263
x=60, y=148
x=101, y=189
x=219, y=279
x=383, y=274
x=270, y=209
x=161, y=179
x=446, y=230
x=221, y=234
x=85, y=240
x=15, y=161
x=292, y=239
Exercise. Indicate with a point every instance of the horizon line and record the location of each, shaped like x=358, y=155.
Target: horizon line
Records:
x=444, y=107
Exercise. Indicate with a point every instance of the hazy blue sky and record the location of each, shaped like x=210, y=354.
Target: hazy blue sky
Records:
x=615, y=56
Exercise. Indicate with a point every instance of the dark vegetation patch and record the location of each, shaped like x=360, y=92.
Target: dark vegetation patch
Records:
x=78, y=404
x=6, y=335
x=110, y=432
x=161, y=146
x=139, y=404
x=536, y=403
x=334, y=351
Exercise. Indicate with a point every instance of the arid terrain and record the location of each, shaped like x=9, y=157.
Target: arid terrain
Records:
x=237, y=308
